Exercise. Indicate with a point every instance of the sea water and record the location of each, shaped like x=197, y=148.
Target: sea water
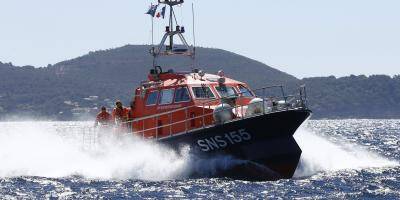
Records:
x=341, y=159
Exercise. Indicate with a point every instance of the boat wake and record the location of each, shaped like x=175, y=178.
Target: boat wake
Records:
x=321, y=155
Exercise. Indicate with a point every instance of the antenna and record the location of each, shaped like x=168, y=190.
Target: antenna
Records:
x=152, y=30
x=194, y=39
x=152, y=38
x=194, y=31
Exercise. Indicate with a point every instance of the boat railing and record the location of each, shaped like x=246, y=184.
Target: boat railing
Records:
x=269, y=104
x=87, y=137
x=84, y=136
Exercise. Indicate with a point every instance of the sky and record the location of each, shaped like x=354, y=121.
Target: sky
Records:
x=304, y=38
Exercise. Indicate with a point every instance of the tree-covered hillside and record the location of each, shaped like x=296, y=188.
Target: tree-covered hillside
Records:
x=77, y=86
x=376, y=96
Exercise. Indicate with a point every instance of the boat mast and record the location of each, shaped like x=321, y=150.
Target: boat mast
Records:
x=172, y=30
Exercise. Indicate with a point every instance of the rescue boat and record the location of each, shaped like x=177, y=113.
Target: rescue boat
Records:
x=217, y=116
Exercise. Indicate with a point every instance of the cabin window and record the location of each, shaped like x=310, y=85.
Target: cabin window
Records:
x=166, y=96
x=226, y=91
x=245, y=92
x=182, y=95
x=152, y=98
x=202, y=92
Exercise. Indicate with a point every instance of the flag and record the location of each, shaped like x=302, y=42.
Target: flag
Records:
x=163, y=11
x=152, y=10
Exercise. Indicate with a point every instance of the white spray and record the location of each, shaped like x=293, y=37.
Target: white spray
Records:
x=35, y=149
x=38, y=149
x=319, y=154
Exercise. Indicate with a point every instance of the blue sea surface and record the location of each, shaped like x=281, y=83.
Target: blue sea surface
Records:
x=342, y=159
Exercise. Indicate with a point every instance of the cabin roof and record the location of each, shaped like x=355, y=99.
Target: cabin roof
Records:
x=193, y=79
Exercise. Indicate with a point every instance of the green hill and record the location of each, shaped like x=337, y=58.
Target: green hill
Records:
x=376, y=96
x=76, y=88
x=59, y=91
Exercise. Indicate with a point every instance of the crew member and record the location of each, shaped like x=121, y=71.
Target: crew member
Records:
x=120, y=114
x=103, y=118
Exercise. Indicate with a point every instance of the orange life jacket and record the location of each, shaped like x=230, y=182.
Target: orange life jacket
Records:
x=119, y=114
